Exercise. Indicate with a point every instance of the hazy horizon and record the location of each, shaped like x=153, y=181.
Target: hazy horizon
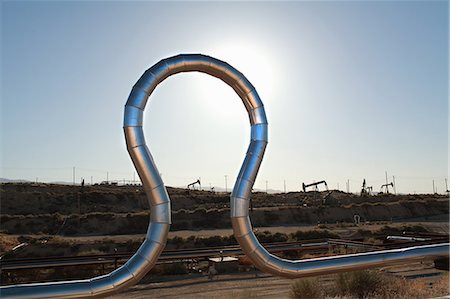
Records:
x=351, y=90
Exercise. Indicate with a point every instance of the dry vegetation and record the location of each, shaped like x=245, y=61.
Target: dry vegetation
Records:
x=369, y=284
x=7, y=243
x=46, y=246
x=58, y=246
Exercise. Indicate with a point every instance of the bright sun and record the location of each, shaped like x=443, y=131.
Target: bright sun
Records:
x=253, y=62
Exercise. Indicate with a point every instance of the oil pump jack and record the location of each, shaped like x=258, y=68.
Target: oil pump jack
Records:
x=386, y=186
x=315, y=185
x=366, y=190
x=193, y=185
x=326, y=198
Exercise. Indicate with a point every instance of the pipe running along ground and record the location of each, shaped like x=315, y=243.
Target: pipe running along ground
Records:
x=146, y=256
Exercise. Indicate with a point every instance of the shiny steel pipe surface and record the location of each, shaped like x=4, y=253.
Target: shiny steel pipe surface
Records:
x=146, y=256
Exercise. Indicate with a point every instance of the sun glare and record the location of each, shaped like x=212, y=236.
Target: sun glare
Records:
x=253, y=61
x=250, y=60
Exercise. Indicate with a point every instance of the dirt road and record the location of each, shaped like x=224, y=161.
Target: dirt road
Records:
x=248, y=285
x=343, y=231
x=224, y=286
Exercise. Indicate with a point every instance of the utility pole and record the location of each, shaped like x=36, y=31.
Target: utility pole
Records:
x=387, y=186
x=226, y=187
x=393, y=181
x=73, y=175
x=348, y=186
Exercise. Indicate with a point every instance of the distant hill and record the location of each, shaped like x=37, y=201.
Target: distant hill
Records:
x=204, y=188
x=111, y=209
x=22, y=181
x=3, y=180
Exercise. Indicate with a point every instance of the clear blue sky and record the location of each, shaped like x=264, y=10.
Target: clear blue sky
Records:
x=351, y=90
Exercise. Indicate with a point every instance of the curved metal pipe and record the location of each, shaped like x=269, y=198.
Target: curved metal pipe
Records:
x=145, y=258
x=270, y=263
x=262, y=259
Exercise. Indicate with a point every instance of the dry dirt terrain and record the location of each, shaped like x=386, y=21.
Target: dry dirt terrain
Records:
x=121, y=213
x=56, y=220
x=120, y=210
x=223, y=286
x=249, y=285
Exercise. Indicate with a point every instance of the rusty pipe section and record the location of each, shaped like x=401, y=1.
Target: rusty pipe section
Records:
x=146, y=256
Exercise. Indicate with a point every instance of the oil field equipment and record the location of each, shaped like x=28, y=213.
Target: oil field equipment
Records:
x=386, y=187
x=197, y=182
x=315, y=185
x=366, y=190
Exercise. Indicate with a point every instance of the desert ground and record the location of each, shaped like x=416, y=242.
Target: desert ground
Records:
x=262, y=286
x=55, y=220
